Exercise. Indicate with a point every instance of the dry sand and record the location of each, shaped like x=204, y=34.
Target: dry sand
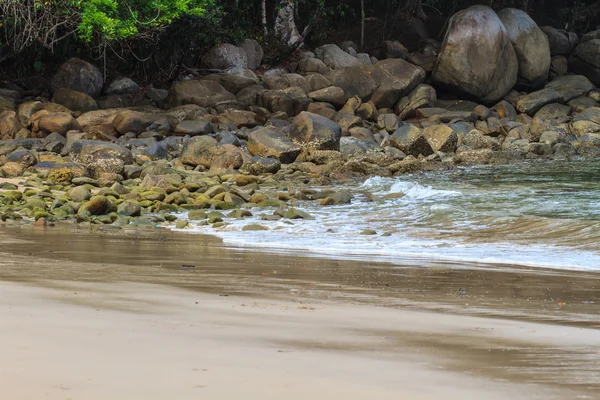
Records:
x=157, y=315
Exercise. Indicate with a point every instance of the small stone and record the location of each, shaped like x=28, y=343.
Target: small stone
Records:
x=255, y=227
x=181, y=224
x=369, y=232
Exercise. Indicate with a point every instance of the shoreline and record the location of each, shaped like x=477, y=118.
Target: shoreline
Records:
x=191, y=317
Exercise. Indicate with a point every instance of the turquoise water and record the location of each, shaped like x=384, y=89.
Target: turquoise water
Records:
x=544, y=214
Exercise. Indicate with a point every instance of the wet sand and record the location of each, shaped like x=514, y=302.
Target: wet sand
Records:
x=156, y=315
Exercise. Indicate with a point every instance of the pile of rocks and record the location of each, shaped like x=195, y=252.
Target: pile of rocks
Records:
x=215, y=142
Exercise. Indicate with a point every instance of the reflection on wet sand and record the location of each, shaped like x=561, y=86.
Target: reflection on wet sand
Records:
x=95, y=265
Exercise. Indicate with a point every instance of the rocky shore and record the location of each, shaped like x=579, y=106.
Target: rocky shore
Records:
x=499, y=89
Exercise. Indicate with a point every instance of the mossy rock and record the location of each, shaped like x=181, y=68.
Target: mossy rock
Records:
x=293, y=213
x=29, y=192
x=219, y=224
x=368, y=232
x=154, y=195
x=59, y=213
x=146, y=203
x=129, y=209
x=215, y=216
x=97, y=205
x=40, y=214
x=14, y=195
x=8, y=186
x=167, y=207
x=36, y=202
x=239, y=214
x=270, y=203
x=197, y=215
x=170, y=217
x=181, y=224
x=255, y=227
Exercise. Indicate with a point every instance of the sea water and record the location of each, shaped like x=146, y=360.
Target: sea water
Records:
x=544, y=214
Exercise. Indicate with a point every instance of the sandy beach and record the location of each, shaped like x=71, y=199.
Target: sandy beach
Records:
x=159, y=315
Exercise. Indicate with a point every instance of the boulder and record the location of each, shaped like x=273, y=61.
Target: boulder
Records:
x=90, y=151
x=290, y=101
x=74, y=100
x=137, y=122
x=531, y=46
x=272, y=142
x=559, y=66
x=355, y=81
x=313, y=65
x=315, y=132
x=225, y=56
x=261, y=165
x=395, y=78
x=333, y=95
x=201, y=150
x=317, y=81
x=249, y=96
x=477, y=58
x=254, y=52
x=410, y=140
x=122, y=86
x=585, y=60
x=560, y=90
x=79, y=75
x=562, y=43
x=334, y=57
x=57, y=122
x=235, y=79
x=441, y=138
x=422, y=96
x=204, y=93
x=194, y=127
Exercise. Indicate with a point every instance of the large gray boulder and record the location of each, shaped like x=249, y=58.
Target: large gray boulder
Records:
x=355, y=81
x=254, y=52
x=477, y=58
x=560, y=90
x=411, y=141
x=225, y=56
x=531, y=46
x=334, y=57
x=79, y=75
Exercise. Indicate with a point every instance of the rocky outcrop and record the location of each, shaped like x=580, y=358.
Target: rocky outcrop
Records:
x=477, y=58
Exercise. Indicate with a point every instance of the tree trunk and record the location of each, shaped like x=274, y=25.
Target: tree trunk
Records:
x=362, y=25
x=263, y=16
x=285, y=25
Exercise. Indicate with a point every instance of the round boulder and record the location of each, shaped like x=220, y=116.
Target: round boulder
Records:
x=79, y=75
x=531, y=46
x=477, y=58
x=225, y=56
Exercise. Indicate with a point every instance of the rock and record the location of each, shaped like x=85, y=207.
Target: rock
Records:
x=505, y=110
x=254, y=52
x=361, y=134
x=249, y=96
x=561, y=43
x=261, y=165
x=225, y=56
x=531, y=46
x=98, y=205
x=388, y=122
x=585, y=60
x=227, y=161
x=422, y=96
x=333, y=95
x=58, y=122
x=559, y=66
x=194, y=127
x=559, y=90
x=476, y=140
x=315, y=132
x=201, y=150
x=394, y=49
x=313, y=65
x=317, y=82
x=90, y=151
x=80, y=194
x=356, y=81
x=9, y=124
x=272, y=142
x=441, y=138
x=79, y=75
x=204, y=93
x=122, y=86
x=554, y=111
x=74, y=100
x=235, y=80
x=334, y=57
x=581, y=103
x=290, y=101
x=410, y=140
x=324, y=109
x=351, y=146
x=477, y=57
x=137, y=122
x=396, y=79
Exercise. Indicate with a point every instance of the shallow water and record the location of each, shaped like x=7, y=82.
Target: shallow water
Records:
x=544, y=214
